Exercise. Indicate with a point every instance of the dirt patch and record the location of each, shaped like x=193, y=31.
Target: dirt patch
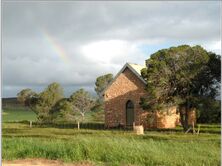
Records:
x=42, y=162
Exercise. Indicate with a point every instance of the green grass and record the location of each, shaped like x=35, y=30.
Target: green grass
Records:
x=166, y=147
x=12, y=114
x=204, y=128
x=16, y=114
x=110, y=147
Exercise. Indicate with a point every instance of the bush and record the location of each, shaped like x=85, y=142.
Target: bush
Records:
x=209, y=112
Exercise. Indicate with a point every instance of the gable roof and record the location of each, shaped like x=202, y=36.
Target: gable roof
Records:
x=137, y=67
x=134, y=68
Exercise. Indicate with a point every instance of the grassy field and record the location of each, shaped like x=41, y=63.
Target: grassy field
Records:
x=11, y=114
x=109, y=147
x=112, y=147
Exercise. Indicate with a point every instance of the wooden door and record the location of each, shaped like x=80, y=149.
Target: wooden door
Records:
x=129, y=113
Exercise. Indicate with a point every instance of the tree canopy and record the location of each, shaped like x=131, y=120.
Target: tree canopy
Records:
x=47, y=99
x=180, y=75
x=63, y=111
x=28, y=98
x=42, y=103
x=82, y=102
x=51, y=106
x=102, y=82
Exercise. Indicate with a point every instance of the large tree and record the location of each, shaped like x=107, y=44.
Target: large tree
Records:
x=100, y=85
x=28, y=98
x=63, y=111
x=43, y=103
x=102, y=82
x=181, y=75
x=47, y=100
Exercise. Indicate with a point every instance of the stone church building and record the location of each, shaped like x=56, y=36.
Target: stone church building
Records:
x=122, y=98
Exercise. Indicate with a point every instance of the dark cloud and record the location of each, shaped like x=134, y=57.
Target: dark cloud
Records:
x=97, y=38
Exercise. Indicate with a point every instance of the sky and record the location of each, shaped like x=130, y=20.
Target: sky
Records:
x=74, y=42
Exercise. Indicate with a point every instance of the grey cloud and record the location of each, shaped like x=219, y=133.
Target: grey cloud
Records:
x=95, y=20
x=29, y=61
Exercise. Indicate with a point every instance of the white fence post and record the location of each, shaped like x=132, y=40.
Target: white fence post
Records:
x=30, y=124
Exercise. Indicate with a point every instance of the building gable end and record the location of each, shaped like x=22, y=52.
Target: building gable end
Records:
x=121, y=71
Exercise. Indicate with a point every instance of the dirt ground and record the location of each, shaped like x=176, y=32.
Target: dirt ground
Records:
x=42, y=162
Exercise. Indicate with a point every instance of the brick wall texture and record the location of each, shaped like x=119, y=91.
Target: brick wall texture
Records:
x=128, y=86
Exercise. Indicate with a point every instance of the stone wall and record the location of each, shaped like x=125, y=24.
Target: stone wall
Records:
x=192, y=117
x=163, y=119
x=127, y=86
x=167, y=119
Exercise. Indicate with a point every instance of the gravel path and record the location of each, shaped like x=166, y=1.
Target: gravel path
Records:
x=42, y=162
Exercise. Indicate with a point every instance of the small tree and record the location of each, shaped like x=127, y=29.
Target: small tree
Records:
x=82, y=102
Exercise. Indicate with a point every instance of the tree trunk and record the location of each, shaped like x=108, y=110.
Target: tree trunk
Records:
x=184, y=118
x=82, y=117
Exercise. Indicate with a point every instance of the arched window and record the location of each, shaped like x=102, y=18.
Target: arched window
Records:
x=129, y=104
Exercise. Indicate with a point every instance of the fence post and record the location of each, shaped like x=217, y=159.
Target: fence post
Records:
x=193, y=128
x=30, y=124
x=198, y=131
x=78, y=125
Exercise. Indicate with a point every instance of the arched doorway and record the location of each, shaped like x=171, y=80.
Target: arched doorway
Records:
x=129, y=113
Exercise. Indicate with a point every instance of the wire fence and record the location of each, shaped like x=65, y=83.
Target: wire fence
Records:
x=216, y=129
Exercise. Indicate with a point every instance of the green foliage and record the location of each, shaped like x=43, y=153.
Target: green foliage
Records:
x=28, y=98
x=51, y=106
x=24, y=95
x=100, y=85
x=209, y=111
x=98, y=105
x=43, y=103
x=47, y=100
x=181, y=75
x=102, y=82
x=98, y=115
x=63, y=111
x=110, y=147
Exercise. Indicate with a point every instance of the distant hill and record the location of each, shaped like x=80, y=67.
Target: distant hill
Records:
x=10, y=102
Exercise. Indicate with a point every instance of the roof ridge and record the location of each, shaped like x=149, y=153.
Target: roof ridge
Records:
x=135, y=64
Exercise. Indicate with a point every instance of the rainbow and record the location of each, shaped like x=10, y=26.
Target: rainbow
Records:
x=55, y=46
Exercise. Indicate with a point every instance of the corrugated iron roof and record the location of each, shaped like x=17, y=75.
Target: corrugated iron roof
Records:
x=137, y=67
